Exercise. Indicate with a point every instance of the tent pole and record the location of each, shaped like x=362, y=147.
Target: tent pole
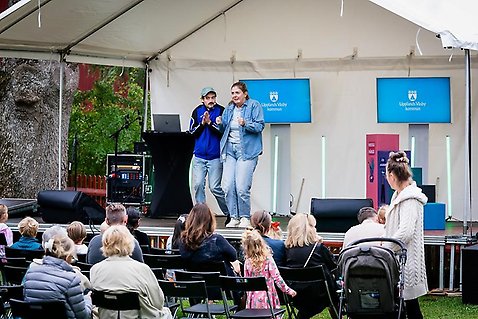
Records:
x=145, y=98
x=60, y=109
x=468, y=199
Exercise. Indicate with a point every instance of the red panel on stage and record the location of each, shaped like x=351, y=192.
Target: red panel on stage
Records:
x=375, y=143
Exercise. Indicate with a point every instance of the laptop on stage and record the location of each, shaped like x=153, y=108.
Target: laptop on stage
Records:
x=167, y=123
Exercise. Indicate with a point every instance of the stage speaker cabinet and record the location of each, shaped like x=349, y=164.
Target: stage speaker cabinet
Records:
x=130, y=180
x=337, y=215
x=470, y=275
x=63, y=207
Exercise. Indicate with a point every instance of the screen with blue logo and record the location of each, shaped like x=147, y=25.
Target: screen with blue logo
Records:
x=413, y=100
x=283, y=100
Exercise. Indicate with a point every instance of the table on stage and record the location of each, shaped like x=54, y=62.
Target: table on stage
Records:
x=171, y=154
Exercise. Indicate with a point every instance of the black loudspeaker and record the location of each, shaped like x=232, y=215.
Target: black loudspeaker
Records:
x=337, y=215
x=430, y=192
x=469, y=292
x=63, y=207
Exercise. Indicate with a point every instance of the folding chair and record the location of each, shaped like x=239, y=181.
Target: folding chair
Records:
x=28, y=254
x=158, y=273
x=298, y=278
x=118, y=301
x=214, y=266
x=183, y=290
x=164, y=261
x=246, y=284
x=83, y=266
x=7, y=293
x=14, y=275
x=34, y=310
x=213, y=287
x=161, y=251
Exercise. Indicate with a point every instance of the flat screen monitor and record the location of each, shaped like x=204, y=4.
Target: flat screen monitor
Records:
x=413, y=100
x=283, y=100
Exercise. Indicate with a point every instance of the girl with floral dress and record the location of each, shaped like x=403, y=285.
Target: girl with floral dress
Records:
x=259, y=263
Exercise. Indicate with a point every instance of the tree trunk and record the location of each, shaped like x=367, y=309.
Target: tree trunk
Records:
x=29, y=117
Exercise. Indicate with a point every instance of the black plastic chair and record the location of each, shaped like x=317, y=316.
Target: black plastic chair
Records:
x=161, y=251
x=303, y=277
x=14, y=274
x=164, y=261
x=186, y=290
x=83, y=266
x=116, y=301
x=158, y=273
x=28, y=254
x=245, y=284
x=215, y=266
x=81, y=258
x=213, y=286
x=7, y=293
x=34, y=310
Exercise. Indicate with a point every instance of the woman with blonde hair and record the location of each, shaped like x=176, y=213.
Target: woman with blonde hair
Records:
x=259, y=263
x=304, y=248
x=55, y=279
x=120, y=273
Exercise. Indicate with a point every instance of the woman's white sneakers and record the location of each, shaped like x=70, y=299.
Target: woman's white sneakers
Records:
x=233, y=223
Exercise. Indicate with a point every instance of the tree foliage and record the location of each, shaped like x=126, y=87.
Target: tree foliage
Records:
x=115, y=100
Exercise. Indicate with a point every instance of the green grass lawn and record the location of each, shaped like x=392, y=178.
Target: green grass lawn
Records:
x=438, y=307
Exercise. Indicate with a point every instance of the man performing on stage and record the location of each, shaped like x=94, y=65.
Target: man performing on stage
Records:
x=206, y=149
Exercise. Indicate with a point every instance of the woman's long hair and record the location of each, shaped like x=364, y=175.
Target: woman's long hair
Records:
x=301, y=231
x=200, y=224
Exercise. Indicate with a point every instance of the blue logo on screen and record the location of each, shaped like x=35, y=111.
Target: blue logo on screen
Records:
x=413, y=100
x=282, y=100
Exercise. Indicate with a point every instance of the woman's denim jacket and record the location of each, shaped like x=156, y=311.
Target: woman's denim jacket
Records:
x=250, y=133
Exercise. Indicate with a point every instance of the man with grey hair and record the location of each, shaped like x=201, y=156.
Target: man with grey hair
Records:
x=115, y=215
x=368, y=227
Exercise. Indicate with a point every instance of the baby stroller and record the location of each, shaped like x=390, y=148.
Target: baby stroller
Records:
x=372, y=279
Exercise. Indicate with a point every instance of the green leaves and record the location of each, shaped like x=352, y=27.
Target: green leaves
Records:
x=97, y=114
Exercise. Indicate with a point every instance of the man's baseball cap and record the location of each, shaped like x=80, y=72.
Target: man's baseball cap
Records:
x=207, y=90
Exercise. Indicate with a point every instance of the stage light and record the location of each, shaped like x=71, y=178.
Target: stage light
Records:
x=448, y=174
x=275, y=174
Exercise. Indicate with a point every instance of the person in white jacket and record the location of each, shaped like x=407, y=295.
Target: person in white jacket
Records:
x=404, y=221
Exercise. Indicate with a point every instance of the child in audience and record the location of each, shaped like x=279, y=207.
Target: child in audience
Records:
x=28, y=228
x=381, y=214
x=77, y=232
x=259, y=263
x=275, y=232
x=4, y=229
x=173, y=241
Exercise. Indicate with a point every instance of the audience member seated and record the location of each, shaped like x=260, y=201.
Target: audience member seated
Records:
x=381, y=214
x=115, y=215
x=200, y=245
x=173, y=241
x=368, y=227
x=134, y=217
x=28, y=228
x=55, y=279
x=4, y=229
x=262, y=222
x=120, y=273
x=304, y=248
x=58, y=231
x=77, y=232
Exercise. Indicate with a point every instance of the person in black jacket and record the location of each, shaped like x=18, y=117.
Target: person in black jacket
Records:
x=134, y=216
x=304, y=248
x=206, y=159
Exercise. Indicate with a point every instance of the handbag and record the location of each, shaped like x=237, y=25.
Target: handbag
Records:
x=310, y=255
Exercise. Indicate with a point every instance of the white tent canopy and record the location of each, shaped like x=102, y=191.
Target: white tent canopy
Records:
x=211, y=42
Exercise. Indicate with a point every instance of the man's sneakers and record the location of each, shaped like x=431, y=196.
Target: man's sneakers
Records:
x=228, y=220
x=234, y=222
